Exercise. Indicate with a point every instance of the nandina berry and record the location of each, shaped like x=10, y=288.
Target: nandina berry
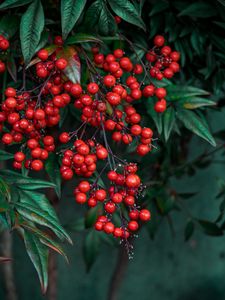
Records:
x=64, y=137
x=39, y=114
x=117, y=198
x=133, y=225
x=129, y=200
x=19, y=156
x=134, y=214
x=42, y=72
x=109, y=80
x=118, y=232
x=136, y=129
x=112, y=175
x=61, y=63
x=99, y=58
x=159, y=40
x=175, y=56
x=43, y=54
x=166, y=50
x=118, y=53
x=7, y=139
x=148, y=90
x=48, y=140
x=84, y=186
x=99, y=225
x=76, y=90
x=101, y=153
x=168, y=73
x=100, y=195
x=117, y=19
x=145, y=215
x=160, y=106
x=37, y=165
x=143, y=149
x=110, y=207
x=58, y=40
x=160, y=93
x=132, y=181
x=109, y=227
x=67, y=174
x=92, y=202
x=92, y=88
x=4, y=44
x=113, y=98
x=36, y=152
x=146, y=133
x=80, y=198
x=138, y=69
x=10, y=92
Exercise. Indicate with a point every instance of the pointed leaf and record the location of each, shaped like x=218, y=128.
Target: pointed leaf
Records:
x=38, y=254
x=82, y=38
x=5, y=155
x=14, y=3
x=127, y=11
x=70, y=13
x=193, y=103
x=91, y=248
x=106, y=24
x=31, y=27
x=199, y=10
x=52, y=168
x=168, y=122
x=192, y=122
x=157, y=118
x=189, y=230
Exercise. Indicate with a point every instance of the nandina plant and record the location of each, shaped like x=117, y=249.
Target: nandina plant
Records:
x=73, y=108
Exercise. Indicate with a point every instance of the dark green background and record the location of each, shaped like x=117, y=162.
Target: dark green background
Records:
x=166, y=268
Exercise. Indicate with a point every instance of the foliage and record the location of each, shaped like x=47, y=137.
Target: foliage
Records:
x=196, y=29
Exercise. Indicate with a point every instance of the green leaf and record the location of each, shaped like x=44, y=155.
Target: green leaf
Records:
x=93, y=14
x=82, y=38
x=193, y=103
x=45, y=239
x=159, y=7
x=5, y=155
x=38, y=254
x=106, y=24
x=175, y=92
x=70, y=13
x=12, y=68
x=9, y=25
x=14, y=3
x=73, y=69
x=24, y=182
x=210, y=228
x=127, y=11
x=39, y=200
x=40, y=217
x=168, y=122
x=157, y=118
x=192, y=122
x=91, y=248
x=189, y=230
x=31, y=27
x=52, y=168
x=91, y=216
x=199, y=10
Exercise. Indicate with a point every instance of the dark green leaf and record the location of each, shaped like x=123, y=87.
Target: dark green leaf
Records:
x=168, y=122
x=195, y=102
x=31, y=27
x=126, y=10
x=157, y=118
x=106, y=24
x=39, y=216
x=5, y=155
x=199, y=10
x=93, y=14
x=9, y=25
x=192, y=122
x=70, y=13
x=82, y=38
x=52, y=168
x=14, y=3
x=38, y=254
x=210, y=228
x=91, y=248
x=159, y=7
x=189, y=230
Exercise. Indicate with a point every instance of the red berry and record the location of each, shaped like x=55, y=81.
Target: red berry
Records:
x=19, y=156
x=37, y=165
x=43, y=54
x=100, y=195
x=160, y=106
x=7, y=139
x=145, y=215
x=84, y=186
x=61, y=63
x=110, y=207
x=109, y=80
x=117, y=198
x=92, y=88
x=99, y=225
x=159, y=40
x=80, y=198
x=101, y=153
x=64, y=137
x=10, y=92
x=133, y=226
x=160, y=93
x=109, y=227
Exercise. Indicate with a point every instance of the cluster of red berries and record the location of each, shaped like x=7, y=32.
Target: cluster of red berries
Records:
x=125, y=187
x=4, y=45
x=107, y=104
x=81, y=159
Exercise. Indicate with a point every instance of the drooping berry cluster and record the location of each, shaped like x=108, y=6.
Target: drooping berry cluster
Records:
x=4, y=45
x=106, y=103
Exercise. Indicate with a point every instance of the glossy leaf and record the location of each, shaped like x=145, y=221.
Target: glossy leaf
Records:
x=31, y=27
x=38, y=254
x=192, y=122
x=14, y=3
x=126, y=10
x=91, y=248
x=189, y=230
x=82, y=38
x=5, y=155
x=70, y=13
x=157, y=118
x=9, y=25
x=107, y=24
x=196, y=102
x=40, y=217
x=168, y=122
x=52, y=168
x=199, y=10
